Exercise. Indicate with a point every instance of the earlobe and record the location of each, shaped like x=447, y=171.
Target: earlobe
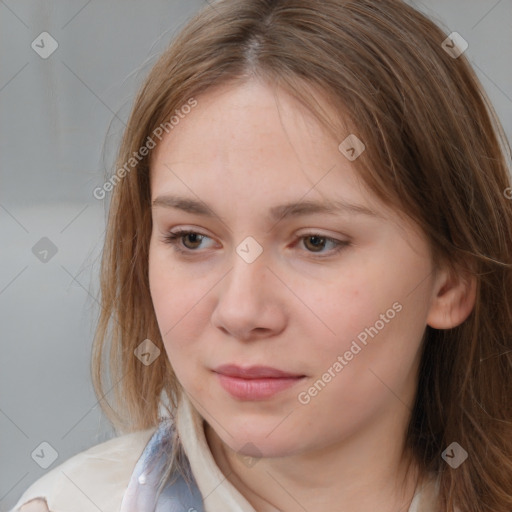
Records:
x=454, y=300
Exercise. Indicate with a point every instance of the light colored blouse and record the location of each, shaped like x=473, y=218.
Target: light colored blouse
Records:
x=114, y=477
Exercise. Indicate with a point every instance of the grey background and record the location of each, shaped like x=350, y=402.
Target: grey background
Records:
x=61, y=120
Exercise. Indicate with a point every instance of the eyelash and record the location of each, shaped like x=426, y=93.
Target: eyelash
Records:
x=173, y=239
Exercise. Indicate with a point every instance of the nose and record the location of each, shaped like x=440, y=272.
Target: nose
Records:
x=250, y=301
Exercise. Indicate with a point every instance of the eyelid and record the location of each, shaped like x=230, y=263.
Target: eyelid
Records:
x=322, y=233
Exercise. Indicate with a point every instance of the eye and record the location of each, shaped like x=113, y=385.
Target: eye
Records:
x=318, y=242
x=187, y=242
x=175, y=237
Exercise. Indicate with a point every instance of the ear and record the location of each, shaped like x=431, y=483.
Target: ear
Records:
x=453, y=299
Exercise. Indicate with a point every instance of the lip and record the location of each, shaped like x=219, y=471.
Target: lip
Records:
x=255, y=382
x=253, y=372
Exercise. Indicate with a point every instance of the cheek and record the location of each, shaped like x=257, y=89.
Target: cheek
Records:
x=171, y=304
x=372, y=320
x=340, y=309
x=162, y=288
x=179, y=303
x=170, y=293
x=368, y=367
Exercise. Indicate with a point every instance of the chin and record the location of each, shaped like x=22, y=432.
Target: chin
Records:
x=257, y=443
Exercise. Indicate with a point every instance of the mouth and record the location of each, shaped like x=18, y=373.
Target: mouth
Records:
x=254, y=372
x=256, y=382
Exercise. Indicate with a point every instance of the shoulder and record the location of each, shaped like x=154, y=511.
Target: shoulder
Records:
x=93, y=479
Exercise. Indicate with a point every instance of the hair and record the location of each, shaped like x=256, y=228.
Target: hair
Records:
x=435, y=151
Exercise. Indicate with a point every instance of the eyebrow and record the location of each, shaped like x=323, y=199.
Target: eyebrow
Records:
x=291, y=209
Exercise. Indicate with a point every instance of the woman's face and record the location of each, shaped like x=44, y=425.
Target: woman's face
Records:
x=338, y=297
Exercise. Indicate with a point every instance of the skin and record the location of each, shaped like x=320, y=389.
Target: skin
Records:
x=297, y=307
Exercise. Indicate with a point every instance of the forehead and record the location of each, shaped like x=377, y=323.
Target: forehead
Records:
x=245, y=129
x=245, y=115
x=253, y=144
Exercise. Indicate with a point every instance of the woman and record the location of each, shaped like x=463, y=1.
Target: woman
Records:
x=306, y=280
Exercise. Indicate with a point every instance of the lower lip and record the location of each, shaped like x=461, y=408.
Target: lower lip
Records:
x=256, y=389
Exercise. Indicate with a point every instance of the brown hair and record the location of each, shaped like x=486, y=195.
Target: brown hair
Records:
x=435, y=150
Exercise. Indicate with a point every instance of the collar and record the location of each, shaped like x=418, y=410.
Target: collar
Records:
x=219, y=493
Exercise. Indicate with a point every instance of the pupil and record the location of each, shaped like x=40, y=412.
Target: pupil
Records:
x=192, y=237
x=317, y=239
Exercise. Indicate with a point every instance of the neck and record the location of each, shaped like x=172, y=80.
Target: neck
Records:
x=362, y=474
